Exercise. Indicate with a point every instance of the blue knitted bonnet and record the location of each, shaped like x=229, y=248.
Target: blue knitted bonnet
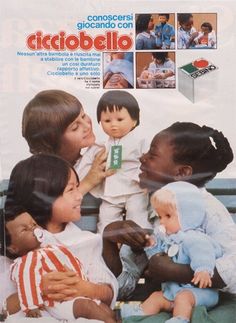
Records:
x=190, y=204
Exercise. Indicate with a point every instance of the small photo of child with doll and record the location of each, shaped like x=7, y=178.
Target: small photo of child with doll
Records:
x=197, y=30
x=165, y=31
x=155, y=31
x=118, y=70
x=155, y=70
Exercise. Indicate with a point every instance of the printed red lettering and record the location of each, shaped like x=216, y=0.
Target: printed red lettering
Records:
x=100, y=42
x=110, y=41
x=72, y=42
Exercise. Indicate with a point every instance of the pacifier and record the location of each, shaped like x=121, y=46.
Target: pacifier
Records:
x=162, y=229
x=39, y=234
x=173, y=250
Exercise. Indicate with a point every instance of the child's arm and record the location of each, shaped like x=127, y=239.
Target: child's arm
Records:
x=62, y=286
x=102, y=292
x=180, y=40
x=139, y=43
x=121, y=232
x=191, y=39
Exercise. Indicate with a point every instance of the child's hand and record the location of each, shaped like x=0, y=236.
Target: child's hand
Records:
x=194, y=35
x=151, y=241
x=117, y=81
x=34, y=313
x=97, y=172
x=127, y=232
x=60, y=286
x=202, y=279
x=159, y=76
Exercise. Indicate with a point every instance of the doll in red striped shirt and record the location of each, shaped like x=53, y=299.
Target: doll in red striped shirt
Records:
x=37, y=253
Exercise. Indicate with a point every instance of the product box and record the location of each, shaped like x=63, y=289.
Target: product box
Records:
x=198, y=79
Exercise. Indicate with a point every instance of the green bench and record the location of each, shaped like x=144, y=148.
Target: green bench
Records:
x=223, y=189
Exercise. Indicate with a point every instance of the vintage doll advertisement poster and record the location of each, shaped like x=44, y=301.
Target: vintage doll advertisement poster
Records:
x=176, y=58
x=51, y=45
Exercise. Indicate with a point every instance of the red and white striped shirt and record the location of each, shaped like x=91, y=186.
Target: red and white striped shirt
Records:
x=27, y=272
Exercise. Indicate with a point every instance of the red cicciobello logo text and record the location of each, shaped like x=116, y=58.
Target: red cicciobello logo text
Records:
x=111, y=40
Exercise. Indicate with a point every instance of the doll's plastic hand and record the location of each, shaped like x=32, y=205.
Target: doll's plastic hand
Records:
x=34, y=313
x=127, y=232
x=202, y=279
x=60, y=286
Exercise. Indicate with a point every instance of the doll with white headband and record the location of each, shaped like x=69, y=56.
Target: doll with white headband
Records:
x=181, y=212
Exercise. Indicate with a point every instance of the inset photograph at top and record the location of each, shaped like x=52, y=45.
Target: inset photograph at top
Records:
x=155, y=31
x=197, y=30
x=118, y=72
x=155, y=70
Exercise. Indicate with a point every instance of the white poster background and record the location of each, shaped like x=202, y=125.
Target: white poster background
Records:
x=22, y=77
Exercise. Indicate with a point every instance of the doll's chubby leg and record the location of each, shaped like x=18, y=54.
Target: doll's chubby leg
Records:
x=82, y=307
x=156, y=303
x=90, y=309
x=183, y=305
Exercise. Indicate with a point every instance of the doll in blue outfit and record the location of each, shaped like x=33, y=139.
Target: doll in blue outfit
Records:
x=181, y=212
x=165, y=33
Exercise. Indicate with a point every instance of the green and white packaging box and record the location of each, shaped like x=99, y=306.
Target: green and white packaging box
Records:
x=197, y=80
